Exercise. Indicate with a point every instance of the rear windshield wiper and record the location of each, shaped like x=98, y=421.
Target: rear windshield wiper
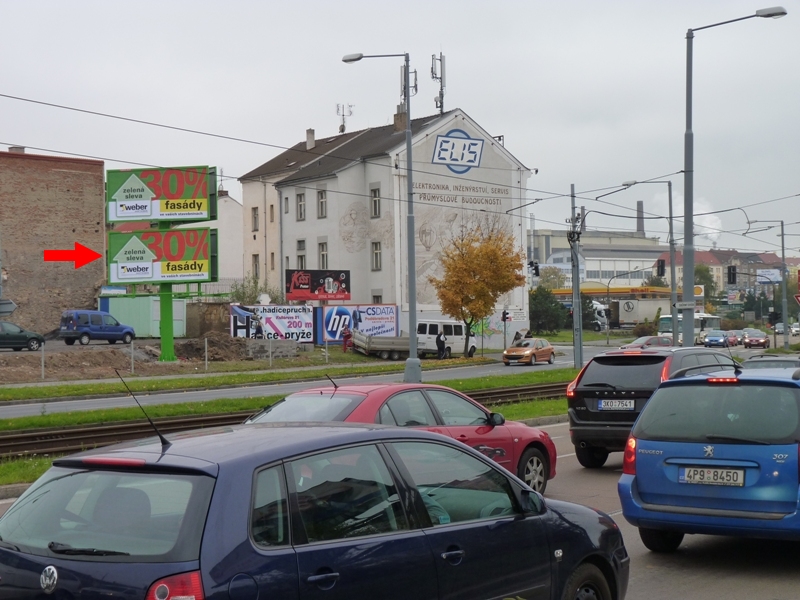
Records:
x=731, y=438
x=59, y=548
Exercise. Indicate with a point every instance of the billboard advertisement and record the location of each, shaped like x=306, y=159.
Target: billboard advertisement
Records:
x=162, y=256
x=294, y=323
x=167, y=194
x=302, y=284
x=768, y=276
x=371, y=319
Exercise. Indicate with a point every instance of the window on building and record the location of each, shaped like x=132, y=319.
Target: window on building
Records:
x=301, y=207
x=271, y=213
x=376, y=256
x=301, y=261
x=557, y=260
x=375, y=205
x=323, y=255
x=287, y=262
x=377, y=299
x=286, y=205
x=271, y=261
x=593, y=274
x=301, y=245
x=254, y=269
x=254, y=218
x=608, y=274
x=322, y=204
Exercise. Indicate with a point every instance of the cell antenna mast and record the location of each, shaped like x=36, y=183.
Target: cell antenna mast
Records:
x=344, y=111
x=412, y=83
x=437, y=74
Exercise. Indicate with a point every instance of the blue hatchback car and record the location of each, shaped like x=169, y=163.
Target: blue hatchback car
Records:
x=291, y=511
x=715, y=453
x=716, y=338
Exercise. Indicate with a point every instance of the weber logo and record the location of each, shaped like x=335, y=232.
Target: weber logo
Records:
x=135, y=270
x=133, y=208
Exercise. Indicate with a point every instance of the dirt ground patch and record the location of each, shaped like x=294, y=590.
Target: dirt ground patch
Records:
x=98, y=361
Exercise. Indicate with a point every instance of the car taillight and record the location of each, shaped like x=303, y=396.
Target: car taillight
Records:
x=629, y=457
x=723, y=380
x=665, y=369
x=185, y=586
x=574, y=383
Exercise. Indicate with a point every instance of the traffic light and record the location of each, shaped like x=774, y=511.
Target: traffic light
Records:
x=732, y=274
x=661, y=267
x=504, y=318
x=535, y=266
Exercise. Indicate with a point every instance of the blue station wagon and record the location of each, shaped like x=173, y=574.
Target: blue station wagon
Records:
x=716, y=453
x=290, y=511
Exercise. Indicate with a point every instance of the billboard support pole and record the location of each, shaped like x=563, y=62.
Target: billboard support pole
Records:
x=166, y=325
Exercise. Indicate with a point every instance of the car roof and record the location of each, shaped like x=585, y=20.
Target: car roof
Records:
x=257, y=443
x=656, y=351
x=368, y=388
x=777, y=375
x=775, y=357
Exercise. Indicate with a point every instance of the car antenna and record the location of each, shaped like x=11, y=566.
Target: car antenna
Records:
x=165, y=443
x=335, y=387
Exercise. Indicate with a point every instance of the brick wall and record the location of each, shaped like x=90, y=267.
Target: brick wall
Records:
x=49, y=202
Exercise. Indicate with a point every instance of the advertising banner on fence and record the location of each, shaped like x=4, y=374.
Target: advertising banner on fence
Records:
x=276, y=322
x=371, y=319
x=317, y=285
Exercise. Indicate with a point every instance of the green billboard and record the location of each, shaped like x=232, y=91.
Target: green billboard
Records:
x=167, y=194
x=162, y=256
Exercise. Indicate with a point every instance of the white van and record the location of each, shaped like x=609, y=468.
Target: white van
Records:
x=427, y=330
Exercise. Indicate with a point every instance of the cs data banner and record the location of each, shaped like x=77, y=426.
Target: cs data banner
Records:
x=173, y=194
x=371, y=319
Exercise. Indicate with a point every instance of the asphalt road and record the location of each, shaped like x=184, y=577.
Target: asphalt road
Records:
x=703, y=568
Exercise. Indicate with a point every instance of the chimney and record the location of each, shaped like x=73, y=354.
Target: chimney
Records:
x=640, y=217
x=16, y=149
x=310, y=143
x=400, y=118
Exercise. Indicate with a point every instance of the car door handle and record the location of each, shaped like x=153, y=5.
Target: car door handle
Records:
x=323, y=578
x=453, y=554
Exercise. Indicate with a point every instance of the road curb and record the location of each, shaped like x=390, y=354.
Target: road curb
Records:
x=13, y=490
x=541, y=421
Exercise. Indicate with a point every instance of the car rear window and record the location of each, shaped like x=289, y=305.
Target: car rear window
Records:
x=771, y=364
x=624, y=371
x=309, y=407
x=139, y=517
x=721, y=413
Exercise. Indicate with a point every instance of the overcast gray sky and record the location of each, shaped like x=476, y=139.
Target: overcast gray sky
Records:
x=590, y=92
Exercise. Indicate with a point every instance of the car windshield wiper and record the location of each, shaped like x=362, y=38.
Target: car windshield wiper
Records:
x=608, y=385
x=60, y=548
x=5, y=544
x=732, y=438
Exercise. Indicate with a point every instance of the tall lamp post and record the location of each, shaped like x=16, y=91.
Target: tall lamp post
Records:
x=413, y=370
x=608, y=302
x=673, y=283
x=784, y=285
x=688, y=170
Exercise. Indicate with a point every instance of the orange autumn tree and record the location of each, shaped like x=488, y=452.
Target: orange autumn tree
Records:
x=480, y=264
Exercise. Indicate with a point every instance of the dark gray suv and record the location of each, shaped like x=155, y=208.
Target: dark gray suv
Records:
x=611, y=390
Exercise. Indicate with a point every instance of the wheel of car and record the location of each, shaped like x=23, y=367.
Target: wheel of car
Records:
x=447, y=353
x=394, y=355
x=533, y=359
x=659, y=540
x=69, y=341
x=552, y=359
x=533, y=470
x=127, y=338
x=17, y=349
x=384, y=354
x=586, y=583
x=84, y=339
x=471, y=352
x=591, y=458
x=112, y=341
x=34, y=344
x=596, y=327
x=508, y=364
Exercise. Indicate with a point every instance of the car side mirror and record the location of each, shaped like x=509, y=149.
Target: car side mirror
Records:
x=496, y=419
x=532, y=502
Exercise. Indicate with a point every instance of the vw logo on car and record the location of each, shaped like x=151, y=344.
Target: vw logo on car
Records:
x=49, y=579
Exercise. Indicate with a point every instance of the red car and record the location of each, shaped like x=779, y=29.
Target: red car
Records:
x=649, y=341
x=527, y=452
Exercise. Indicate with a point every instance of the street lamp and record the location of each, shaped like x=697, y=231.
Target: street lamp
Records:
x=413, y=369
x=673, y=283
x=688, y=170
x=608, y=302
x=784, y=282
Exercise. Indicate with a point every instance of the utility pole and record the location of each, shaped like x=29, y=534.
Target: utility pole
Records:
x=574, y=237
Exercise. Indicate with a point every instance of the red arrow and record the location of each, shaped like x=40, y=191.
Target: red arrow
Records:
x=81, y=255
